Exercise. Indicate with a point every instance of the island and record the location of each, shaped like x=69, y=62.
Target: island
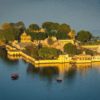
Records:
x=52, y=43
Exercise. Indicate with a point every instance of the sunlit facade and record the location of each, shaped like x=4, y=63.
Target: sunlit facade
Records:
x=25, y=38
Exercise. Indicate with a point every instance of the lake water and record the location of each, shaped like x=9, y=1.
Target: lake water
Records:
x=79, y=83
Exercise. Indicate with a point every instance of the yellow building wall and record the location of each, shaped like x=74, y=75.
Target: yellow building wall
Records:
x=67, y=41
x=25, y=38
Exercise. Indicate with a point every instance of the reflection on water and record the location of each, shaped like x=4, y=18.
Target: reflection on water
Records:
x=40, y=82
x=61, y=71
x=52, y=71
x=83, y=68
x=3, y=56
x=70, y=74
x=43, y=72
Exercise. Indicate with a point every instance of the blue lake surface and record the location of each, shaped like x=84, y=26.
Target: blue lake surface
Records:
x=32, y=84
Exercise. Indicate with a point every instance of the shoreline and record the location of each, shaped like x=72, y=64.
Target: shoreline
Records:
x=13, y=54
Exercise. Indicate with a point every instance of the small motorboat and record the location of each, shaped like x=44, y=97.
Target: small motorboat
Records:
x=14, y=76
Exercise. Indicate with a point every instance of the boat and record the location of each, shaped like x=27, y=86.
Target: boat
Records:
x=14, y=76
x=59, y=80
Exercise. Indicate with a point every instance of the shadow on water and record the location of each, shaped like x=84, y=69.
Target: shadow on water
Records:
x=47, y=73
x=3, y=56
x=3, y=53
x=70, y=74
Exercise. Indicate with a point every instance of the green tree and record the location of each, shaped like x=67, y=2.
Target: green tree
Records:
x=64, y=28
x=48, y=53
x=9, y=35
x=32, y=51
x=12, y=31
x=48, y=26
x=55, y=29
x=9, y=32
x=83, y=36
x=33, y=27
x=61, y=35
x=37, y=36
x=51, y=28
x=2, y=38
x=70, y=49
x=21, y=27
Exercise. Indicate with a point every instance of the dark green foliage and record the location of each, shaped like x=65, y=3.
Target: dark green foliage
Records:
x=89, y=52
x=9, y=35
x=11, y=31
x=34, y=27
x=20, y=26
x=71, y=49
x=64, y=28
x=32, y=51
x=83, y=36
x=38, y=36
x=2, y=37
x=3, y=53
x=61, y=35
x=48, y=53
x=59, y=30
x=42, y=53
x=50, y=26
